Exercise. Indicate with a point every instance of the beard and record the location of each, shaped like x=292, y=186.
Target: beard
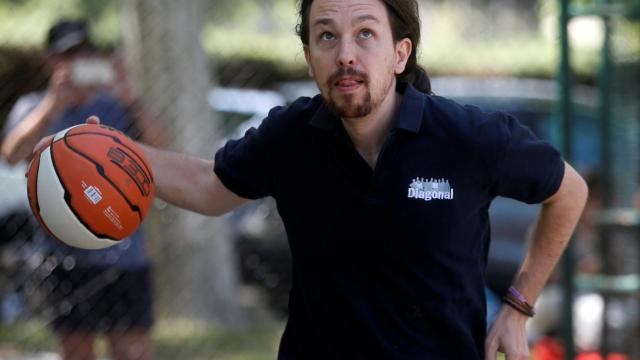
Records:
x=348, y=105
x=350, y=108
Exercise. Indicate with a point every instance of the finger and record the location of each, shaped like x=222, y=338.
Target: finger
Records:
x=93, y=120
x=42, y=144
x=491, y=350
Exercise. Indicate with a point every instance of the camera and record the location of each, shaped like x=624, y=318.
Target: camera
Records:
x=92, y=72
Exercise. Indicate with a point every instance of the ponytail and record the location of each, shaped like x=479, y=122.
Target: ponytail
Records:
x=418, y=78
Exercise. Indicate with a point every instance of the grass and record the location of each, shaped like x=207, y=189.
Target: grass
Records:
x=185, y=340
x=172, y=340
x=30, y=336
x=179, y=339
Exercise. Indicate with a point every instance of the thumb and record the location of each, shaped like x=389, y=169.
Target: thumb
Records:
x=42, y=143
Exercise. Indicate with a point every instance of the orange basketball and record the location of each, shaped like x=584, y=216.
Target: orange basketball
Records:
x=90, y=186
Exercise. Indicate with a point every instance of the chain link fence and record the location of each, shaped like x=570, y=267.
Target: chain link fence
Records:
x=206, y=70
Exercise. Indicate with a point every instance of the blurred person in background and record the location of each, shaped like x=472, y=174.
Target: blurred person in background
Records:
x=384, y=191
x=87, y=292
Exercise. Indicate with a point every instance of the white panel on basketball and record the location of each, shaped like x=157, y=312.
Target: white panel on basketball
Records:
x=55, y=212
x=61, y=133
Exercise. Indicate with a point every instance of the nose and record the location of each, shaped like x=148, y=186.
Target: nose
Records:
x=346, y=54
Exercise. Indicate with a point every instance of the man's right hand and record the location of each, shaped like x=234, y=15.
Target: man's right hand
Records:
x=197, y=188
x=47, y=139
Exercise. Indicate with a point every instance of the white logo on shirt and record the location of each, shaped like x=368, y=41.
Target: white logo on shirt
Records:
x=428, y=190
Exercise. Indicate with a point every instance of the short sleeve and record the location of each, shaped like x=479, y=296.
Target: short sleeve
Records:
x=247, y=166
x=528, y=169
x=20, y=110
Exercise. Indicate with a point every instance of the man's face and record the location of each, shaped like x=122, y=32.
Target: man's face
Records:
x=352, y=56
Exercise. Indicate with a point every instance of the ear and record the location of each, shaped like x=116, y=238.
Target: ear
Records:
x=403, y=51
x=307, y=56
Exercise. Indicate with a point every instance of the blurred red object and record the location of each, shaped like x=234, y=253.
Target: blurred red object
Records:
x=592, y=355
x=549, y=348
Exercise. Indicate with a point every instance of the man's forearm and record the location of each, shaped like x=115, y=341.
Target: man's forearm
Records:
x=556, y=222
x=189, y=182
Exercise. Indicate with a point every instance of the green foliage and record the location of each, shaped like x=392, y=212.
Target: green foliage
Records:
x=229, y=12
x=95, y=7
x=25, y=23
x=457, y=39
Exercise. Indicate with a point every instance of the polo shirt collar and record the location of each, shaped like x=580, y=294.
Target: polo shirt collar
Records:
x=408, y=117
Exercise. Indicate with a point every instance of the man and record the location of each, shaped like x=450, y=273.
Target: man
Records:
x=384, y=192
x=90, y=291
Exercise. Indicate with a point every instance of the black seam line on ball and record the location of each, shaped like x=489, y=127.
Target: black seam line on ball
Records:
x=100, y=170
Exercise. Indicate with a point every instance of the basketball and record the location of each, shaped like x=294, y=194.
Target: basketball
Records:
x=90, y=187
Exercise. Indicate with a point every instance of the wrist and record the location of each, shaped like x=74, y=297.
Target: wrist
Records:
x=513, y=314
x=514, y=299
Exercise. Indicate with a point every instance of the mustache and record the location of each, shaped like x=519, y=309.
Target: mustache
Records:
x=342, y=72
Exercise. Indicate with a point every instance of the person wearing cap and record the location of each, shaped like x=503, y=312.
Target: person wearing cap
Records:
x=88, y=292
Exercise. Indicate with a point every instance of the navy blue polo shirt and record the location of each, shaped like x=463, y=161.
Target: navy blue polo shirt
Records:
x=388, y=263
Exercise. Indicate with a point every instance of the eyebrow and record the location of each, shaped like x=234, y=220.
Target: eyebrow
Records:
x=363, y=18
x=359, y=19
x=323, y=21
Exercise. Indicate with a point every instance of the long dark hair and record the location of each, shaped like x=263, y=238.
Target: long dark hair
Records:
x=405, y=23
